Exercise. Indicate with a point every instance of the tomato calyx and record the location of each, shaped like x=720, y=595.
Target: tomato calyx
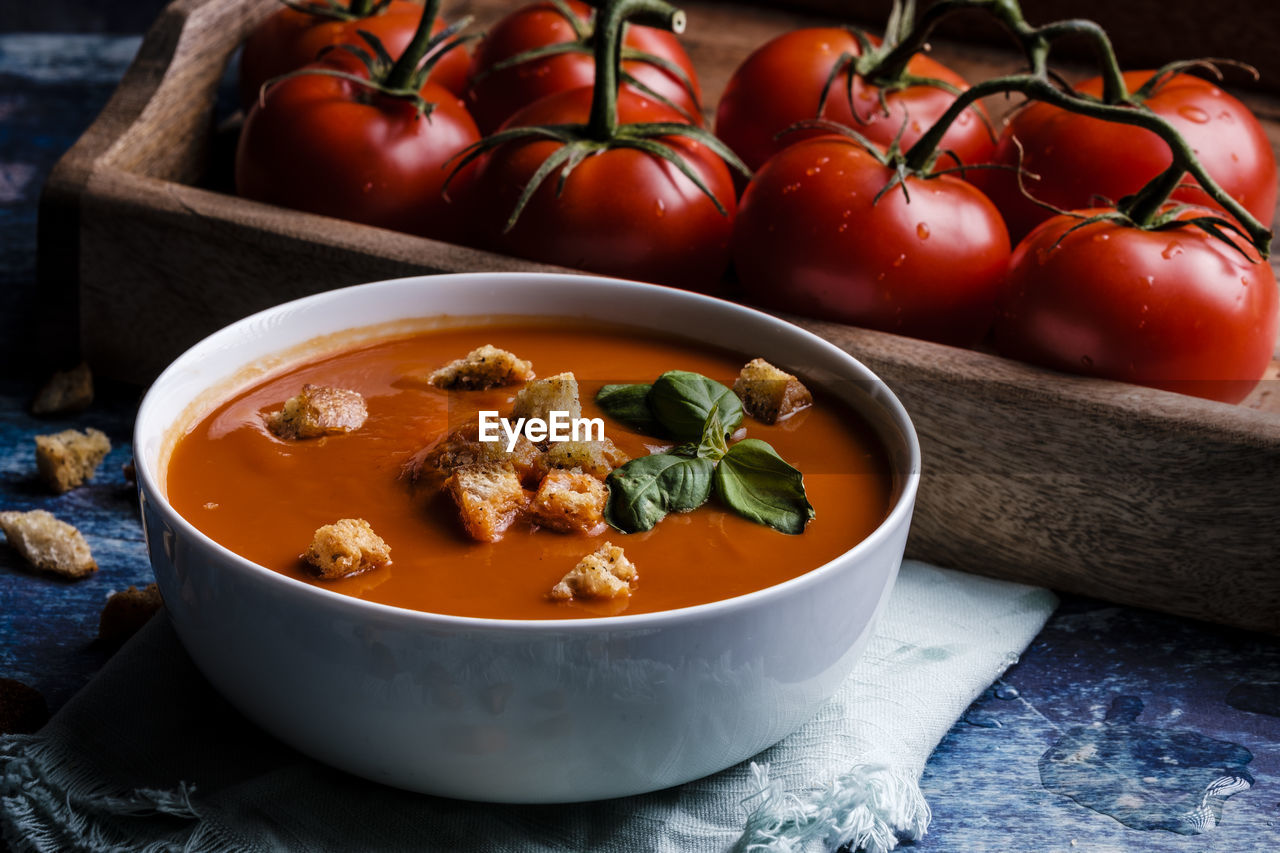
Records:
x=1166, y=73
x=602, y=131
x=1116, y=105
x=356, y=10
x=401, y=78
x=586, y=36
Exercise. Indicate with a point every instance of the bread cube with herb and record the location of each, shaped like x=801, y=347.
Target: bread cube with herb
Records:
x=541, y=397
x=48, y=544
x=126, y=611
x=570, y=501
x=482, y=368
x=463, y=446
x=770, y=394
x=66, y=391
x=597, y=458
x=318, y=410
x=69, y=458
x=347, y=547
x=489, y=497
x=605, y=573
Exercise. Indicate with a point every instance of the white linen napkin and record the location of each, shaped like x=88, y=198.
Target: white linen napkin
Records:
x=148, y=757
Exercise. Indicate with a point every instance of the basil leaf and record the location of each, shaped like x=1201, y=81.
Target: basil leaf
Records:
x=645, y=489
x=682, y=402
x=757, y=483
x=628, y=404
x=713, y=446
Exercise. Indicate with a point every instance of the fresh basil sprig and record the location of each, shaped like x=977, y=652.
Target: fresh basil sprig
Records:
x=748, y=477
x=629, y=404
x=682, y=401
x=757, y=483
x=644, y=490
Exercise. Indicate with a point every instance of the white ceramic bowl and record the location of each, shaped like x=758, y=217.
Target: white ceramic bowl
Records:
x=508, y=710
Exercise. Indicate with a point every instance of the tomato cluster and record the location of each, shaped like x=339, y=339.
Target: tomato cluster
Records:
x=882, y=196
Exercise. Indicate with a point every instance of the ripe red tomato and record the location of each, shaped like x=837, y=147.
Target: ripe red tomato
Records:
x=1080, y=159
x=1176, y=309
x=622, y=212
x=493, y=97
x=289, y=39
x=812, y=239
x=330, y=146
x=782, y=83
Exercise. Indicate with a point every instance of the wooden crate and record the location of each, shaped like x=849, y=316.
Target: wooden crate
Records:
x=1134, y=495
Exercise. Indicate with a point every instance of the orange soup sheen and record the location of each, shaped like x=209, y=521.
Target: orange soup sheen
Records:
x=263, y=498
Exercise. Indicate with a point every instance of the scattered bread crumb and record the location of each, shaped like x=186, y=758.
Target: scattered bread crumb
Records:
x=464, y=447
x=604, y=574
x=126, y=611
x=48, y=544
x=540, y=397
x=489, y=498
x=22, y=709
x=67, y=459
x=570, y=502
x=318, y=410
x=66, y=392
x=769, y=394
x=484, y=367
x=597, y=458
x=347, y=547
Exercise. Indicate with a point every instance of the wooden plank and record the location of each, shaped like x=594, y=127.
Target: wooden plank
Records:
x=1137, y=495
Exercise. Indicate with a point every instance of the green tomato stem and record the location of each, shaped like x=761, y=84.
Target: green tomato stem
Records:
x=361, y=8
x=1143, y=205
x=402, y=73
x=602, y=126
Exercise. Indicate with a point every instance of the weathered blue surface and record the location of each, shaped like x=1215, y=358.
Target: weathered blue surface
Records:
x=1078, y=740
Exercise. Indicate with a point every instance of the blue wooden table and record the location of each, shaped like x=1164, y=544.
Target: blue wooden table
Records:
x=1118, y=730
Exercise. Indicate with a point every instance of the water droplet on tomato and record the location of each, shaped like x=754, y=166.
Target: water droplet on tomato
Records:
x=660, y=208
x=880, y=276
x=1193, y=113
x=964, y=118
x=368, y=186
x=1244, y=281
x=1235, y=158
x=1151, y=280
x=1101, y=238
x=790, y=188
x=1086, y=361
x=898, y=261
x=843, y=227
x=1172, y=250
x=846, y=214
x=812, y=170
x=822, y=161
x=915, y=127
x=1145, y=308
x=1226, y=116
x=922, y=231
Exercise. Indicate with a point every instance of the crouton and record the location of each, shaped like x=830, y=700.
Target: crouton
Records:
x=570, y=502
x=541, y=397
x=606, y=573
x=48, y=544
x=463, y=446
x=126, y=611
x=769, y=394
x=596, y=458
x=489, y=498
x=67, y=391
x=346, y=547
x=22, y=709
x=486, y=367
x=318, y=410
x=68, y=458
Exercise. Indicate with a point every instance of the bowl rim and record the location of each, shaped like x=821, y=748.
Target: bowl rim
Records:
x=319, y=596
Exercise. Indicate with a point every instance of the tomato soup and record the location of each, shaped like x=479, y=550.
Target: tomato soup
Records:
x=263, y=497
